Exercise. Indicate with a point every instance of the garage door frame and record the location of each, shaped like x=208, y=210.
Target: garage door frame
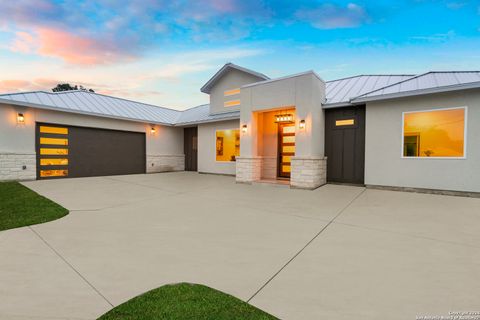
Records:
x=69, y=166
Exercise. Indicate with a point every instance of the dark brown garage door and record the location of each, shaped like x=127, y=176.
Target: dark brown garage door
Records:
x=345, y=144
x=66, y=151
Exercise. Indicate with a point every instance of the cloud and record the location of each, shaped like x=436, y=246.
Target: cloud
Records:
x=330, y=16
x=72, y=48
x=14, y=85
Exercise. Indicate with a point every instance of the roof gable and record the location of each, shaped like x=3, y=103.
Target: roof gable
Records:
x=207, y=87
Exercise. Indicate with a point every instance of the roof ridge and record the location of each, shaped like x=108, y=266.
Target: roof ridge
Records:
x=373, y=75
x=393, y=84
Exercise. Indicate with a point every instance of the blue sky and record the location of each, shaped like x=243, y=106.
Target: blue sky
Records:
x=162, y=52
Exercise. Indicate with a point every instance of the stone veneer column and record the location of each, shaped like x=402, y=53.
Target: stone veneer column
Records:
x=12, y=166
x=248, y=169
x=165, y=163
x=308, y=172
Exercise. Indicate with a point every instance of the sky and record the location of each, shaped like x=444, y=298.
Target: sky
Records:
x=162, y=52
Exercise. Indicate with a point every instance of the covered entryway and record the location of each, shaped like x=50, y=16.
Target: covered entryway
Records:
x=190, y=146
x=68, y=151
x=345, y=144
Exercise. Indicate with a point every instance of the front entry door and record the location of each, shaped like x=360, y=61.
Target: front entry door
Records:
x=190, y=148
x=345, y=144
x=286, y=148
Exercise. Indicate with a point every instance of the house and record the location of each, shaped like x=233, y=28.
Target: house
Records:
x=404, y=131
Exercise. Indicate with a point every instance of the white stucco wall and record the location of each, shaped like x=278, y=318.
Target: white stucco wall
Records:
x=207, y=148
x=20, y=138
x=305, y=93
x=384, y=164
x=234, y=79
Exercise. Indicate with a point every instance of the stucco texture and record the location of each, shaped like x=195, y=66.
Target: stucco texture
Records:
x=384, y=164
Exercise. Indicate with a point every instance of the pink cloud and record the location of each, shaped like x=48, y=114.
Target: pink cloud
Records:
x=72, y=48
x=14, y=85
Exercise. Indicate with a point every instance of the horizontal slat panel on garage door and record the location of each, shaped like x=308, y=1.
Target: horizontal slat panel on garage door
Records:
x=88, y=152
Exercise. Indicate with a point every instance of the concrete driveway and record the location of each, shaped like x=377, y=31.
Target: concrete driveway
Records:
x=338, y=252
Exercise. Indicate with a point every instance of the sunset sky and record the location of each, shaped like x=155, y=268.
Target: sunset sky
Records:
x=162, y=52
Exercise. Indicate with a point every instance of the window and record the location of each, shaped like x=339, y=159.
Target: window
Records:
x=231, y=103
x=56, y=130
x=231, y=92
x=435, y=133
x=54, y=162
x=53, y=173
x=227, y=145
x=51, y=151
x=346, y=122
x=55, y=141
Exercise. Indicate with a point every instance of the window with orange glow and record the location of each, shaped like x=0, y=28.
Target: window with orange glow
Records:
x=55, y=130
x=231, y=103
x=52, y=151
x=55, y=141
x=227, y=145
x=437, y=133
x=53, y=162
x=53, y=173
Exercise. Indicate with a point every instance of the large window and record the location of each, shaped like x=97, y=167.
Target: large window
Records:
x=436, y=133
x=227, y=144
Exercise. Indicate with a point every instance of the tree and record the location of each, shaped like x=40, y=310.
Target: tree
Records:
x=67, y=87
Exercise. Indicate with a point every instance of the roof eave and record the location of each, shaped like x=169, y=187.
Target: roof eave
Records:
x=44, y=107
x=183, y=124
x=472, y=85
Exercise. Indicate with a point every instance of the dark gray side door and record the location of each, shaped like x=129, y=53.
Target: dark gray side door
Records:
x=190, y=136
x=345, y=144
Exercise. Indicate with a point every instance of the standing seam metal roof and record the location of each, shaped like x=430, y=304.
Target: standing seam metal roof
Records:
x=434, y=81
x=339, y=92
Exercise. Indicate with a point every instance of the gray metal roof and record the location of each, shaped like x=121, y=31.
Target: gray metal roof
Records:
x=430, y=82
x=210, y=83
x=201, y=114
x=85, y=102
x=341, y=91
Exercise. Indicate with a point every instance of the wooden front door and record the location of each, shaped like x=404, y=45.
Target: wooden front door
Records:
x=286, y=148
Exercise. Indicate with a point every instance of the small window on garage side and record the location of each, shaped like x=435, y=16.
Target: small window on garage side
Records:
x=227, y=145
x=435, y=133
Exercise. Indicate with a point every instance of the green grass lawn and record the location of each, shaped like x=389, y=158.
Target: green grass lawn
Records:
x=185, y=301
x=20, y=206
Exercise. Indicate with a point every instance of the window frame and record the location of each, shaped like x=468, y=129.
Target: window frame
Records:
x=465, y=136
x=215, y=143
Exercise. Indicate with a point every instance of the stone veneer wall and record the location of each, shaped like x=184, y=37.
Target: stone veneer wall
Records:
x=11, y=166
x=165, y=163
x=308, y=172
x=248, y=169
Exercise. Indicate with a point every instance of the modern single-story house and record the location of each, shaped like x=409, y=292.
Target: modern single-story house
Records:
x=408, y=131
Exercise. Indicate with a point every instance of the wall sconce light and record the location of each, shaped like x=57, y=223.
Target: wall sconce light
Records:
x=244, y=128
x=152, y=130
x=301, y=125
x=20, y=118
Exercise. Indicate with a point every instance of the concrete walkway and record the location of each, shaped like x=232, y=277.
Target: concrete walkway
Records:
x=337, y=252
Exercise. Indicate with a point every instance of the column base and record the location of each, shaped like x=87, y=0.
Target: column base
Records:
x=308, y=172
x=248, y=169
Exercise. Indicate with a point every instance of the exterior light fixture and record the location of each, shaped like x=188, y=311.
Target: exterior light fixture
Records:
x=152, y=130
x=20, y=118
x=301, y=125
x=284, y=118
x=244, y=128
